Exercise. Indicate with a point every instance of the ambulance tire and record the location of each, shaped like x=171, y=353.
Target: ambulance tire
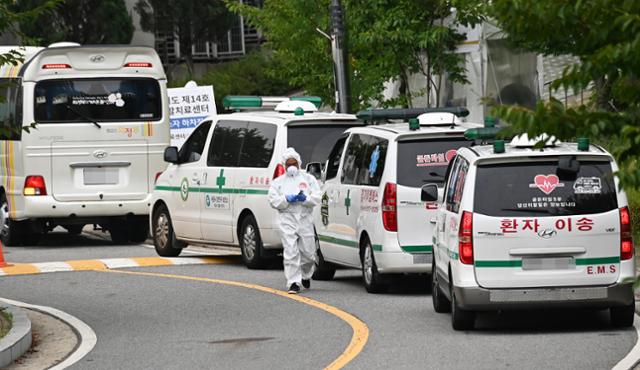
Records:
x=164, y=238
x=119, y=232
x=372, y=279
x=440, y=302
x=461, y=319
x=251, y=244
x=324, y=270
x=12, y=232
x=622, y=317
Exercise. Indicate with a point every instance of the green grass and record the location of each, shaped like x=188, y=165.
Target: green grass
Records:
x=5, y=322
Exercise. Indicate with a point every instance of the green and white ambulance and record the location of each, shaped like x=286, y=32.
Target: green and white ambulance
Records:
x=215, y=189
x=533, y=228
x=373, y=216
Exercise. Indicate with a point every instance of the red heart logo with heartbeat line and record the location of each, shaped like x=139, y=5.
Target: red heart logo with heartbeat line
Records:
x=547, y=183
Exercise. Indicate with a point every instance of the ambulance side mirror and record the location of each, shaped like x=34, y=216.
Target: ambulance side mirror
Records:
x=171, y=155
x=315, y=169
x=429, y=193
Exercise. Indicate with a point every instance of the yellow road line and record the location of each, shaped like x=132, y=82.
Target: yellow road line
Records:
x=104, y=264
x=84, y=265
x=360, y=329
x=20, y=269
x=151, y=261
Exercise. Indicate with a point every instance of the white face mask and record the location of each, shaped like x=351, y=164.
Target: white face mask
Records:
x=292, y=170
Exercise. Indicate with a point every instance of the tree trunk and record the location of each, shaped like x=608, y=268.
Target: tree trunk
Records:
x=603, y=93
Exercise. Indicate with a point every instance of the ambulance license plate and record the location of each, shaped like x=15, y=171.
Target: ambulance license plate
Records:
x=100, y=176
x=549, y=263
x=421, y=258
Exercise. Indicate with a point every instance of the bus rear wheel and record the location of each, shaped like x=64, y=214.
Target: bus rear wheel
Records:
x=11, y=232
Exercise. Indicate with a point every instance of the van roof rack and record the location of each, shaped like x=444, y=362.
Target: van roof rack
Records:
x=371, y=115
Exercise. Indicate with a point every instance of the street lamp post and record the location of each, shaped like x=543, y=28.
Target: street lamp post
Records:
x=339, y=52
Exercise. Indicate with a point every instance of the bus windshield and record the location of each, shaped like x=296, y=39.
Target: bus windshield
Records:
x=98, y=99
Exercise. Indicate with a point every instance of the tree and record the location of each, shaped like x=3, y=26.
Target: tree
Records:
x=605, y=36
x=82, y=21
x=192, y=21
x=388, y=40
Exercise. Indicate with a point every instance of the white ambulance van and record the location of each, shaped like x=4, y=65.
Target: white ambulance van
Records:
x=101, y=126
x=527, y=228
x=373, y=216
x=215, y=189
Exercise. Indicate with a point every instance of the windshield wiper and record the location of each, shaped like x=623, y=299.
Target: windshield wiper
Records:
x=83, y=116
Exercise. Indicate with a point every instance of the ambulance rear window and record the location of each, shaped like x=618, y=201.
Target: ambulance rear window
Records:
x=314, y=141
x=539, y=189
x=425, y=161
x=99, y=99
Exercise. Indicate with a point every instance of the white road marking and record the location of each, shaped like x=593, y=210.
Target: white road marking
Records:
x=115, y=263
x=633, y=357
x=53, y=266
x=87, y=337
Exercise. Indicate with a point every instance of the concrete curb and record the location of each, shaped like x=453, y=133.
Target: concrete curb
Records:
x=18, y=340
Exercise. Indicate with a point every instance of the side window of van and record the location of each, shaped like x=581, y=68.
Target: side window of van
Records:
x=455, y=185
x=257, y=148
x=352, y=159
x=226, y=143
x=364, y=160
x=334, y=158
x=192, y=149
x=11, y=108
x=372, y=165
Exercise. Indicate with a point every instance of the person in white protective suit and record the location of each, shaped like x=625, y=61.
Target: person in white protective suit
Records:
x=294, y=195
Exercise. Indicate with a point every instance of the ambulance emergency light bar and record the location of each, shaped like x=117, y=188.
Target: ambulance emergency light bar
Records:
x=240, y=102
x=371, y=115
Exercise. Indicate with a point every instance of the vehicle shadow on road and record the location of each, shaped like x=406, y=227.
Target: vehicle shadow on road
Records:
x=547, y=321
x=396, y=284
x=62, y=239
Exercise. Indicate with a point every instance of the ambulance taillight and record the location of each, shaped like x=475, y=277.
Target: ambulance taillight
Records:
x=56, y=66
x=465, y=238
x=279, y=171
x=34, y=185
x=626, y=241
x=389, y=210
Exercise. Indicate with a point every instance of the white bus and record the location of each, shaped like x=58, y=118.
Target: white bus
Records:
x=101, y=125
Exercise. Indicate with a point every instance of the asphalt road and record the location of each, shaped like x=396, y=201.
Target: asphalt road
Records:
x=166, y=322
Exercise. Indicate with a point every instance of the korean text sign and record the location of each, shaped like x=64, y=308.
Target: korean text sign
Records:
x=188, y=106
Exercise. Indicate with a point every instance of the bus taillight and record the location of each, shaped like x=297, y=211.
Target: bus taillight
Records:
x=34, y=185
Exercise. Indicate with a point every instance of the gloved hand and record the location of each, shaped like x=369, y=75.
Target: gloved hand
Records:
x=301, y=197
x=291, y=198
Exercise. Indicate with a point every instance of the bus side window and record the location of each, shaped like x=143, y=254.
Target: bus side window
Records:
x=10, y=109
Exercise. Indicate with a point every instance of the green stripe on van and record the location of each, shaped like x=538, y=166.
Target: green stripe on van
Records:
x=347, y=243
x=215, y=190
x=507, y=263
x=417, y=248
x=518, y=263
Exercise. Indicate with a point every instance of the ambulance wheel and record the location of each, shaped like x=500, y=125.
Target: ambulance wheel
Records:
x=622, y=317
x=324, y=270
x=164, y=239
x=119, y=232
x=461, y=319
x=440, y=302
x=251, y=244
x=373, y=281
x=12, y=232
x=138, y=230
